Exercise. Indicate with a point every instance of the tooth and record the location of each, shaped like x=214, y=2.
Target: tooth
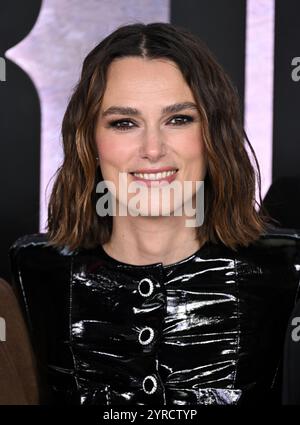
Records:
x=154, y=176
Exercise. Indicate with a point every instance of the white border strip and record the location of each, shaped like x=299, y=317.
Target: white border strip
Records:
x=259, y=69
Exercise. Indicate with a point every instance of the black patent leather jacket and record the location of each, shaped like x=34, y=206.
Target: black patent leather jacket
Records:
x=208, y=329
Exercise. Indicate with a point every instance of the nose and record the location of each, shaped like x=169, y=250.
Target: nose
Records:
x=153, y=145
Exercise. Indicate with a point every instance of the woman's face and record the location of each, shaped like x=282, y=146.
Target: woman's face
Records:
x=148, y=135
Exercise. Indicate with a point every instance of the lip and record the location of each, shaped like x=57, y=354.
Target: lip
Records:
x=149, y=183
x=154, y=170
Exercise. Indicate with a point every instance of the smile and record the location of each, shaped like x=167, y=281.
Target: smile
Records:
x=154, y=176
x=148, y=178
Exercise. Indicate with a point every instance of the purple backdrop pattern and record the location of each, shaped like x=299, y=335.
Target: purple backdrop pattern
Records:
x=52, y=55
x=66, y=30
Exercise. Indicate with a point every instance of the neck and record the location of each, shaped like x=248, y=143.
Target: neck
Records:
x=148, y=240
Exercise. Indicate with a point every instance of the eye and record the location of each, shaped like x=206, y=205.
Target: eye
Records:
x=183, y=119
x=118, y=125
x=123, y=125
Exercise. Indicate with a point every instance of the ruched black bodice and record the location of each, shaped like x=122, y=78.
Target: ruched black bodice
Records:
x=208, y=329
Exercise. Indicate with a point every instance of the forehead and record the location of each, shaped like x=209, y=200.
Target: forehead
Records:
x=134, y=77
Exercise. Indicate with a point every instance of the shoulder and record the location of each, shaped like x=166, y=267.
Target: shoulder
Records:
x=35, y=249
x=275, y=247
x=36, y=242
x=36, y=264
x=273, y=259
x=40, y=273
x=271, y=264
x=280, y=237
x=33, y=259
x=282, y=245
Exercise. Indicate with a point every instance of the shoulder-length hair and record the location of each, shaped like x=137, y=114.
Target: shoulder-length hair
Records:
x=230, y=216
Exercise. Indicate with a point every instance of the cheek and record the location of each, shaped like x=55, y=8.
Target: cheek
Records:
x=194, y=149
x=194, y=154
x=112, y=151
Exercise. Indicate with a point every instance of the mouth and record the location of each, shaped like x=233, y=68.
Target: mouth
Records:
x=148, y=178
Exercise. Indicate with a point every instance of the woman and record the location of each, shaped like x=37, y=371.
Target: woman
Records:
x=143, y=308
x=18, y=378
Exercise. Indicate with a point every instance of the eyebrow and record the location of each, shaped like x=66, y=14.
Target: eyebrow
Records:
x=127, y=110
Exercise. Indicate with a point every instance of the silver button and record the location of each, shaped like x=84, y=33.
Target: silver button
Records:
x=150, y=384
x=209, y=400
x=146, y=335
x=145, y=287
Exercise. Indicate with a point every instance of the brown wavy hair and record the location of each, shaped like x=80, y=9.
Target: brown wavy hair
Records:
x=230, y=216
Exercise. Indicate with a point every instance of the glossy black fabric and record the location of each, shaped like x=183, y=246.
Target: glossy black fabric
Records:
x=291, y=365
x=208, y=329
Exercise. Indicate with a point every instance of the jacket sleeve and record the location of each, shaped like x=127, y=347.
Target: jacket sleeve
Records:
x=288, y=242
x=291, y=357
x=37, y=273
